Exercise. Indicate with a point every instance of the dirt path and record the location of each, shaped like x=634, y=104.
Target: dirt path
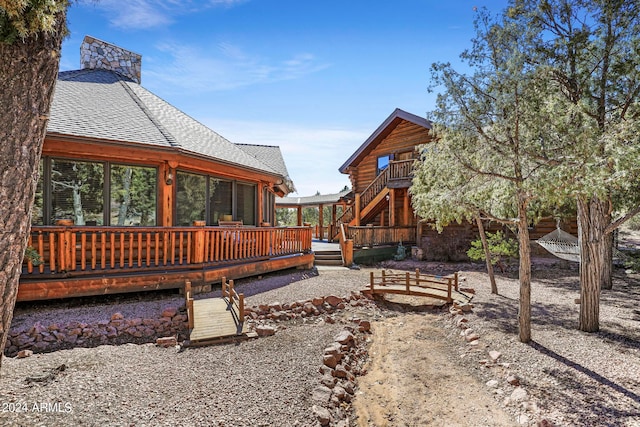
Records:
x=413, y=379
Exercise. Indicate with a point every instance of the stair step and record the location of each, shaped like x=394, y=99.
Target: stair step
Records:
x=328, y=253
x=328, y=262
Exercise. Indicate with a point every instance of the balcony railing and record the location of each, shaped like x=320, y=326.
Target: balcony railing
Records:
x=380, y=236
x=82, y=250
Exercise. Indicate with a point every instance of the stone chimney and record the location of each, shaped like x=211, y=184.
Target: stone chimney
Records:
x=98, y=55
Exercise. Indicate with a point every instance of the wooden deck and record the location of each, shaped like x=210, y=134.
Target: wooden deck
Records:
x=439, y=287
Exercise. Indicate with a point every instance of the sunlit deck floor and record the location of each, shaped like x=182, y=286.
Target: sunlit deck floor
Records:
x=214, y=319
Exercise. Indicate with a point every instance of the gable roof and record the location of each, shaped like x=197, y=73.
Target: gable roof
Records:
x=382, y=132
x=271, y=156
x=105, y=105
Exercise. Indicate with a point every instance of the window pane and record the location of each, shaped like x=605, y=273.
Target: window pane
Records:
x=133, y=195
x=190, y=198
x=77, y=191
x=246, y=204
x=221, y=201
x=383, y=162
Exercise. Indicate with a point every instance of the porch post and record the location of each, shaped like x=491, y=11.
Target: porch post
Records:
x=406, y=208
x=392, y=208
x=299, y=216
x=356, y=213
x=320, y=234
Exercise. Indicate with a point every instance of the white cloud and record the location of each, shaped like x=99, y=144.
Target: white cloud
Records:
x=146, y=14
x=312, y=154
x=225, y=67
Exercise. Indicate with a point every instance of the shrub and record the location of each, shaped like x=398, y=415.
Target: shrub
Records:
x=501, y=249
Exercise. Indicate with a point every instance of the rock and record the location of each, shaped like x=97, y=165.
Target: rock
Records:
x=330, y=320
x=169, y=312
x=321, y=394
x=277, y=306
x=518, y=395
x=344, y=338
x=328, y=381
x=333, y=300
x=22, y=340
x=166, y=342
x=472, y=337
x=364, y=326
x=340, y=372
x=513, y=380
x=308, y=308
x=265, y=330
x=322, y=414
x=24, y=353
x=492, y=383
x=494, y=355
x=117, y=316
x=339, y=392
x=330, y=360
x=317, y=301
x=523, y=419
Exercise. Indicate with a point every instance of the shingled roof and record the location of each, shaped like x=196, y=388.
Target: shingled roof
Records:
x=318, y=199
x=271, y=156
x=104, y=105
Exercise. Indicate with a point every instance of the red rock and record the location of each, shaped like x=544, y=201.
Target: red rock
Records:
x=265, y=330
x=344, y=337
x=117, y=316
x=364, y=326
x=317, y=301
x=166, y=342
x=330, y=360
x=333, y=300
x=24, y=353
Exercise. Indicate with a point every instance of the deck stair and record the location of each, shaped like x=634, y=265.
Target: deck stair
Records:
x=328, y=258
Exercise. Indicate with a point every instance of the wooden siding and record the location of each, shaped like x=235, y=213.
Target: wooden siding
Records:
x=405, y=137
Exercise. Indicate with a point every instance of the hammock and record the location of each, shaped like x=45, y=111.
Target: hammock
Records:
x=561, y=244
x=565, y=246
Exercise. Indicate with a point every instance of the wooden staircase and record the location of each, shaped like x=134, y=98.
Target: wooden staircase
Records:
x=328, y=258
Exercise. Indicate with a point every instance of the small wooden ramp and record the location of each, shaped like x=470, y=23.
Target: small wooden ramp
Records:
x=216, y=320
x=439, y=287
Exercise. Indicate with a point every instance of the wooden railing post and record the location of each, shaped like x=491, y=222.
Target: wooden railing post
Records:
x=197, y=243
x=241, y=307
x=371, y=280
x=65, y=246
x=407, y=279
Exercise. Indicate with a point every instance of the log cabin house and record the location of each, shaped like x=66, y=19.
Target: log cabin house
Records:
x=136, y=195
x=379, y=212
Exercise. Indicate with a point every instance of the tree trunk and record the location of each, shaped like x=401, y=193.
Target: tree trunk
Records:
x=487, y=256
x=126, y=197
x=28, y=72
x=593, y=218
x=524, y=250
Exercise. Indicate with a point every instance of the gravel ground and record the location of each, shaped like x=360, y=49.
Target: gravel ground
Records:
x=263, y=382
x=571, y=378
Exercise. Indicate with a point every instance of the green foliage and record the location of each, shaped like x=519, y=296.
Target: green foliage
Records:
x=30, y=254
x=24, y=18
x=501, y=248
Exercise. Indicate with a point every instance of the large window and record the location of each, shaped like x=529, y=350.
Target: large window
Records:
x=220, y=201
x=77, y=192
x=246, y=203
x=95, y=193
x=227, y=200
x=133, y=195
x=191, y=196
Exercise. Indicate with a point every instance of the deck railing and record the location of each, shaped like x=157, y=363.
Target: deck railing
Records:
x=379, y=236
x=84, y=250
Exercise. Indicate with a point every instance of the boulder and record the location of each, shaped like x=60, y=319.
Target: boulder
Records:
x=24, y=353
x=322, y=414
x=265, y=330
x=169, y=312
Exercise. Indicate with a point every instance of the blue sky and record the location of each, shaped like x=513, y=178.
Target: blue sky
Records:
x=313, y=77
